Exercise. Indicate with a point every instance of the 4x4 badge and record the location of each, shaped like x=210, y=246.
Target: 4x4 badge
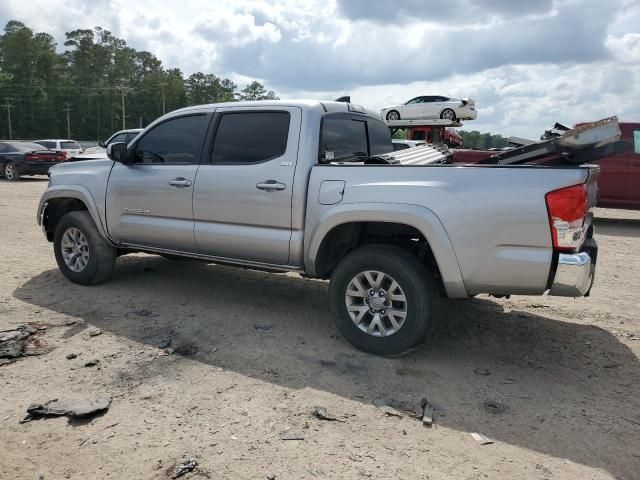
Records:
x=286, y=164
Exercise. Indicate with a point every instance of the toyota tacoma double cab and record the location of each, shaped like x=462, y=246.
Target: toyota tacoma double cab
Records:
x=310, y=187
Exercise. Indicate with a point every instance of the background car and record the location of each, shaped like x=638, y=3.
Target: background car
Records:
x=432, y=106
x=26, y=158
x=121, y=136
x=70, y=147
x=401, y=144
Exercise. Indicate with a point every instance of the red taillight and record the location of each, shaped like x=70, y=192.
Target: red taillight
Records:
x=567, y=209
x=31, y=157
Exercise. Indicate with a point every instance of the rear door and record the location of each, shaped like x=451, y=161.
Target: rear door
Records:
x=430, y=107
x=150, y=201
x=243, y=191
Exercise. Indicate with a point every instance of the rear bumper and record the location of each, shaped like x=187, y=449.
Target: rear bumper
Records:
x=574, y=273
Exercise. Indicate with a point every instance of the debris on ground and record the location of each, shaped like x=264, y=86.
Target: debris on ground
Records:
x=262, y=328
x=20, y=342
x=71, y=356
x=187, y=465
x=68, y=408
x=291, y=436
x=143, y=312
x=427, y=412
x=481, y=439
x=92, y=363
x=321, y=414
x=482, y=371
x=399, y=408
x=494, y=408
x=94, y=332
x=271, y=476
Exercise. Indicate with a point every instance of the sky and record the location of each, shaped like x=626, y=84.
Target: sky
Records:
x=527, y=63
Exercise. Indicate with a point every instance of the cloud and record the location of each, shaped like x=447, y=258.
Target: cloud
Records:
x=526, y=63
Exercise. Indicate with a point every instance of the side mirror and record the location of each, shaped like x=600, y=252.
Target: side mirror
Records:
x=102, y=144
x=118, y=152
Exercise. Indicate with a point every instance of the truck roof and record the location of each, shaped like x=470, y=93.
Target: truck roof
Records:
x=328, y=106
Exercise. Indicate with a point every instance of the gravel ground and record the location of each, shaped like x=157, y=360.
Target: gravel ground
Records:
x=218, y=364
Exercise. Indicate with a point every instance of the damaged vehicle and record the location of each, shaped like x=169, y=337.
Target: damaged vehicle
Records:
x=432, y=106
x=317, y=189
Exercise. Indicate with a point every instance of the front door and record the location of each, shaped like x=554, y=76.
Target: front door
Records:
x=150, y=200
x=243, y=191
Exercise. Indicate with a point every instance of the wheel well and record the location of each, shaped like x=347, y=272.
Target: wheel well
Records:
x=346, y=237
x=56, y=209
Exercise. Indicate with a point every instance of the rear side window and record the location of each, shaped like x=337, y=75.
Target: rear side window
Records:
x=343, y=137
x=636, y=141
x=379, y=137
x=69, y=145
x=178, y=140
x=250, y=137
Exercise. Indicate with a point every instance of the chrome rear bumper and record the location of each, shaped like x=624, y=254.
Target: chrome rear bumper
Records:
x=574, y=275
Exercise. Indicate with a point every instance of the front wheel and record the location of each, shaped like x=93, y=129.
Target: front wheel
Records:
x=84, y=256
x=393, y=116
x=11, y=172
x=383, y=299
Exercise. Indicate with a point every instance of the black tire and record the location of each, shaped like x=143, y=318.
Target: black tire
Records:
x=10, y=172
x=389, y=114
x=442, y=114
x=419, y=287
x=102, y=254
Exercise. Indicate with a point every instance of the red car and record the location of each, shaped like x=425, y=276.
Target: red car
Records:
x=619, y=180
x=435, y=135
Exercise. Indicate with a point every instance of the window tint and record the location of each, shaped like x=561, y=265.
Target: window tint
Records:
x=70, y=145
x=379, y=137
x=250, y=137
x=636, y=141
x=178, y=140
x=429, y=99
x=342, y=136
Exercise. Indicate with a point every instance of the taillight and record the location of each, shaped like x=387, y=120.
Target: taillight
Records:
x=31, y=156
x=567, y=209
x=60, y=156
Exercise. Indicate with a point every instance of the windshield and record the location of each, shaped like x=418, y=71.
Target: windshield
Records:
x=26, y=146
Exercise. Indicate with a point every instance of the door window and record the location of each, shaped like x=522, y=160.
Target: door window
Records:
x=250, y=137
x=413, y=101
x=636, y=141
x=176, y=141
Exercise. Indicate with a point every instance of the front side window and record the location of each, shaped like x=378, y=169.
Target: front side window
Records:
x=415, y=100
x=636, y=141
x=178, y=140
x=250, y=137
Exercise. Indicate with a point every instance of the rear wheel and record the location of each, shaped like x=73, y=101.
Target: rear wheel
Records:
x=448, y=114
x=10, y=172
x=383, y=299
x=84, y=256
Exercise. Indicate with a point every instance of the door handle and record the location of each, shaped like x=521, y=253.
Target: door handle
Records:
x=270, y=186
x=180, y=182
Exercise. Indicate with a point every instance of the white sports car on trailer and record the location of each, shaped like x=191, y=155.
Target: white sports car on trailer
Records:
x=432, y=106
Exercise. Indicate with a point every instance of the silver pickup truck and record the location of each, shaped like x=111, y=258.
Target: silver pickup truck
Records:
x=302, y=186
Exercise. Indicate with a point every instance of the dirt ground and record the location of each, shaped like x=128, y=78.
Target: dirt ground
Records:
x=218, y=364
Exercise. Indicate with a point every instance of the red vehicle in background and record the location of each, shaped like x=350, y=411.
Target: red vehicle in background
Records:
x=434, y=134
x=619, y=179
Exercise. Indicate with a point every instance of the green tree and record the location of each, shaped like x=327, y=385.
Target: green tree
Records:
x=256, y=91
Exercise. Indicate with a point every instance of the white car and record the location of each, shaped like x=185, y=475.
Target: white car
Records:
x=401, y=144
x=121, y=136
x=69, y=147
x=432, y=106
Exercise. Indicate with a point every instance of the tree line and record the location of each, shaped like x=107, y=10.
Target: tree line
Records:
x=96, y=86
x=482, y=141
